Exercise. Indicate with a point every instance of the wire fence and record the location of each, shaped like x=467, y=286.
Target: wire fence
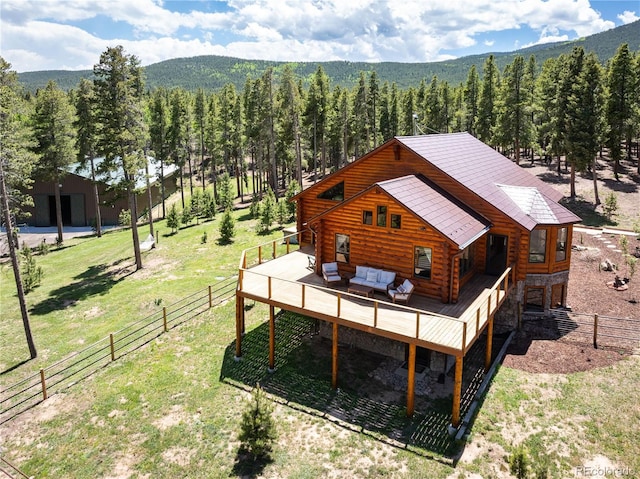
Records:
x=600, y=331
x=9, y=470
x=23, y=395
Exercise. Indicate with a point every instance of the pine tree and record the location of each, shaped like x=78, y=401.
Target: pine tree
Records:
x=55, y=135
x=31, y=272
x=373, y=100
x=471, y=97
x=119, y=87
x=173, y=219
x=86, y=140
x=16, y=164
x=257, y=428
x=487, y=111
x=584, y=111
x=227, y=228
x=159, y=134
x=621, y=81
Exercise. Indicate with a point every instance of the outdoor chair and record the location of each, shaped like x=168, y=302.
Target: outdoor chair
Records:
x=402, y=293
x=330, y=273
x=312, y=262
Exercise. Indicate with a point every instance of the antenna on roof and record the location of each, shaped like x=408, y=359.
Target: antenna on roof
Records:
x=416, y=127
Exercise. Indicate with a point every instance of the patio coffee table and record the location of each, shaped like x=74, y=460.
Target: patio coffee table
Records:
x=361, y=290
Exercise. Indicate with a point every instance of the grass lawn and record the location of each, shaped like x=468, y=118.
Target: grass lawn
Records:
x=172, y=408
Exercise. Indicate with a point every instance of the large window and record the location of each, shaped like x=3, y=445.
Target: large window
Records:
x=381, y=216
x=561, y=245
x=343, y=248
x=422, y=262
x=467, y=259
x=335, y=193
x=537, y=246
x=367, y=217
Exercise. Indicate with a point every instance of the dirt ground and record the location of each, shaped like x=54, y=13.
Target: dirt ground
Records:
x=536, y=348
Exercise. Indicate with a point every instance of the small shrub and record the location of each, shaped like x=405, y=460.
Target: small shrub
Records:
x=173, y=220
x=519, y=462
x=292, y=190
x=31, y=272
x=43, y=248
x=254, y=209
x=610, y=206
x=282, y=212
x=267, y=213
x=124, y=218
x=257, y=428
x=187, y=215
x=209, y=205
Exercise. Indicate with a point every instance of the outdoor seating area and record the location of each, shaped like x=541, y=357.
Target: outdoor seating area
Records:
x=402, y=294
x=378, y=279
x=330, y=273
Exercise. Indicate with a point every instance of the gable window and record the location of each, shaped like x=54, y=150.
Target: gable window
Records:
x=381, y=216
x=335, y=193
x=561, y=244
x=367, y=217
x=396, y=221
x=343, y=248
x=422, y=262
x=467, y=259
x=537, y=246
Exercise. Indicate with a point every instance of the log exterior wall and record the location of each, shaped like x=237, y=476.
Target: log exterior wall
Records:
x=384, y=247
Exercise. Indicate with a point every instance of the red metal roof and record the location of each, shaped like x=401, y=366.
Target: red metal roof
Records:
x=437, y=208
x=481, y=169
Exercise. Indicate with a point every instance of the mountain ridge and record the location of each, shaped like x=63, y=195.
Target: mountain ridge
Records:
x=212, y=72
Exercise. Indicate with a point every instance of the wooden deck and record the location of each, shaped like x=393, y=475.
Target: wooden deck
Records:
x=287, y=283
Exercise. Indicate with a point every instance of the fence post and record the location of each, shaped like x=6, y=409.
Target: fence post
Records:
x=595, y=331
x=210, y=298
x=44, y=384
x=273, y=255
x=164, y=318
x=113, y=351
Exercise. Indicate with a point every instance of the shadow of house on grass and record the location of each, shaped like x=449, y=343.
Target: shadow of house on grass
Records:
x=302, y=381
x=95, y=280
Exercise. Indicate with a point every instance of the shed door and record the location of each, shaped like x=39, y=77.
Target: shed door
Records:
x=497, y=249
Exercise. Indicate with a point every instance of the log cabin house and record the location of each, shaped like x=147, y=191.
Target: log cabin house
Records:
x=476, y=234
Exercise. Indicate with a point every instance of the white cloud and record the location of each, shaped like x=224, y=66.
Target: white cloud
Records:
x=628, y=17
x=39, y=34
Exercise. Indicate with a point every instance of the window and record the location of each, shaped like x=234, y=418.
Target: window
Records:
x=367, y=217
x=467, y=259
x=335, y=193
x=537, y=246
x=343, y=248
x=396, y=221
x=422, y=262
x=561, y=245
x=381, y=216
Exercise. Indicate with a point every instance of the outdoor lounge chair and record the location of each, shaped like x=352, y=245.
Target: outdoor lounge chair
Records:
x=330, y=273
x=402, y=293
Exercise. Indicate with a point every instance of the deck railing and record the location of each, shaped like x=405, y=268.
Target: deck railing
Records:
x=454, y=333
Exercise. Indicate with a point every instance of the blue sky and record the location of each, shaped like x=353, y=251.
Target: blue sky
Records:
x=71, y=34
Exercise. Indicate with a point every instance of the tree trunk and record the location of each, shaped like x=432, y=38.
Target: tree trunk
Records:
x=573, y=181
x=16, y=266
x=56, y=189
x=134, y=222
x=594, y=169
x=96, y=198
x=150, y=209
x=164, y=211
x=190, y=172
x=181, y=186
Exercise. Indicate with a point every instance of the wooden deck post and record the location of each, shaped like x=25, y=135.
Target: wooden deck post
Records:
x=239, y=325
x=488, y=353
x=457, y=393
x=411, y=379
x=272, y=339
x=334, y=357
